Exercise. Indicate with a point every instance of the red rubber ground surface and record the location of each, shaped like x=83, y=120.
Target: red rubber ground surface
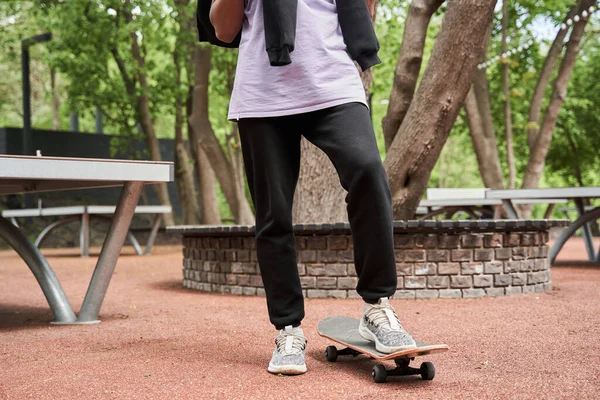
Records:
x=159, y=341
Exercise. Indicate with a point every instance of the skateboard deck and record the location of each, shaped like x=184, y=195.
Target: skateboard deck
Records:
x=344, y=331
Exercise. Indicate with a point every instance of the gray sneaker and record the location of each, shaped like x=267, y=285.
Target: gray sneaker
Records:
x=288, y=357
x=380, y=324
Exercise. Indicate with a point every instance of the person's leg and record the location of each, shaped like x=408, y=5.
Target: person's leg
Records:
x=271, y=150
x=345, y=133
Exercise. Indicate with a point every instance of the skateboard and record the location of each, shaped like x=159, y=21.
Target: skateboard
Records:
x=344, y=330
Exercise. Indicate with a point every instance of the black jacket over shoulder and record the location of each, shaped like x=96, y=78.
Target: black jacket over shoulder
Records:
x=280, y=30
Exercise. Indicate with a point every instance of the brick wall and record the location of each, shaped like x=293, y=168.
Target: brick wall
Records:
x=429, y=266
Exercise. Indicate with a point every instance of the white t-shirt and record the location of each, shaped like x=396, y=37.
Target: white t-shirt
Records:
x=321, y=75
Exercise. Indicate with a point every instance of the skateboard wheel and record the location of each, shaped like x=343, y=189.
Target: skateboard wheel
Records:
x=379, y=373
x=427, y=371
x=331, y=353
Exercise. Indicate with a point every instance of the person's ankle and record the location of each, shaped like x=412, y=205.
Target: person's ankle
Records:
x=294, y=326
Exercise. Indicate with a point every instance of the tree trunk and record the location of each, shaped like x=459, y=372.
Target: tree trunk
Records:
x=537, y=158
x=535, y=107
x=319, y=197
x=234, y=147
x=184, y=176
x=143, y=108
x=432, y=114
x=481, y=128
x=576, y=167
x=512, y=175
x=208, y=142
x=409, y=65
x=55, y=101
x=482, y=92
x=486, y=148
x=237, y=163
x=207, y=183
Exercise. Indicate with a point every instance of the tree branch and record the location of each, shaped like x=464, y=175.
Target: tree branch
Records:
x=535, y=108
x=436, y=105
x=537, y=157
x=409, y=65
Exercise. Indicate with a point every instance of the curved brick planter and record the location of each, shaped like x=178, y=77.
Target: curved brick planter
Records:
x=445, y=259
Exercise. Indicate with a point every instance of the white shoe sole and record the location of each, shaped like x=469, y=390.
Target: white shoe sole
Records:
x=368, y=335
x=287, y=369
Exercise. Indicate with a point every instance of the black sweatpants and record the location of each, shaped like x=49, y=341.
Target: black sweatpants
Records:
x=271, y=149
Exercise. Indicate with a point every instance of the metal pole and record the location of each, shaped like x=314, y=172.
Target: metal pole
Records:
x=53, y=291
x=570, y=231
x=99, y=124
x=25, y=44
x=84, y=235
x=27, y=149
x=27, y=140
x=111, y=250
x=63, y=221
x=153, y=233
x=510, y=209
x=587, y=231
x=549, y=210
x=74, y=122
x=134, y=242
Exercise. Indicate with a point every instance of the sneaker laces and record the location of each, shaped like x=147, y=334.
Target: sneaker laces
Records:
x=383, y=315
x=290, y=341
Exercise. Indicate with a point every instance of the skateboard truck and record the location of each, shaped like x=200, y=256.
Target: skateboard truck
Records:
x=332, y=353
x=380, y=372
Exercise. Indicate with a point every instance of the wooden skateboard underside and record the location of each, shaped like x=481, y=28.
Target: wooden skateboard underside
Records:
x=344, y=330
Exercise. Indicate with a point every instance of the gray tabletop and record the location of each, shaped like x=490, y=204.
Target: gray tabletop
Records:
x=23, y=174
x=546, y=193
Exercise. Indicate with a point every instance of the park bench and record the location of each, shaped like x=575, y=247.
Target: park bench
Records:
x=577, y=194
x=24, y=174
x=567, y=210
x=84, y=214
x=473, y=201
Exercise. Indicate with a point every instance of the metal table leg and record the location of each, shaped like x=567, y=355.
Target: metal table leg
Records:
x=111, y=250
x=153, y=233
x=53, y=291
x=510, y=209
x=63, y=221
x=549, y=210
x=567, y=233
x=84, y=235
x=587, y=231
x=497, y=212
x=132, y=240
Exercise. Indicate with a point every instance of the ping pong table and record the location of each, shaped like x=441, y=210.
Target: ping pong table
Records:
x=473, y=201
x=83, y=214
x=577, y=194
x=25, y=174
